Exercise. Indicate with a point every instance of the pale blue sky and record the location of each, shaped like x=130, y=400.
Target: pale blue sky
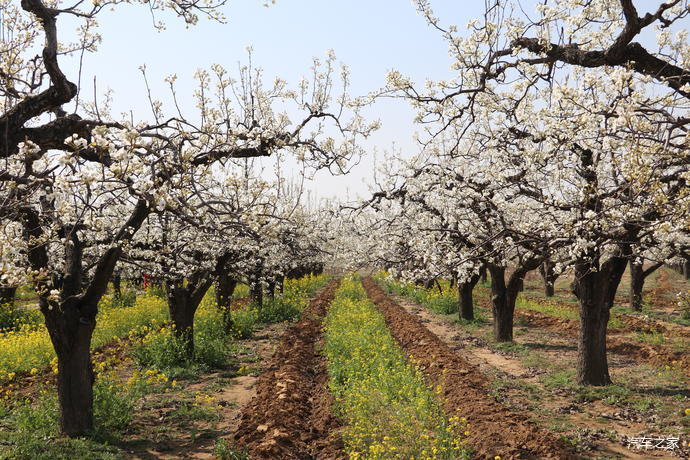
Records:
x=371, y=37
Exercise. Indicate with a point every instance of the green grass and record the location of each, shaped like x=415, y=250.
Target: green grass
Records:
x=386, y=408
x=223, y=451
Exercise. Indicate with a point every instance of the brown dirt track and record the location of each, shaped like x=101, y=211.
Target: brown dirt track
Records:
x=494, y=429
x=290, y=416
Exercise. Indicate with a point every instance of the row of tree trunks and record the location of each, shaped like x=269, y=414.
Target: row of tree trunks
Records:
x=683, y=268
x=595, y=290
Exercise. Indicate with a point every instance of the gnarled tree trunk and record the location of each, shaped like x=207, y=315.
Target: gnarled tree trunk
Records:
x=465, y=297
x=183, y=302
x=595, y=289
x=504, y=295
x=225, y=288
x=546, y=269
x=71, y=337
x=501, y=305
x=638, y=276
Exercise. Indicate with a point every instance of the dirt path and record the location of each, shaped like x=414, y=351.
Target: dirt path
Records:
x=494, y=429
x=290, y=416
x=186, y=422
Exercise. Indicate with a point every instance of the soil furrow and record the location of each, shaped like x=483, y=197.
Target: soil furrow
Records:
x=494, y=430
x=290, y=417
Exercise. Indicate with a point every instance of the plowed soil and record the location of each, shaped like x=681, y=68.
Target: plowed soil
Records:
x=290, y=417
x=494, y=429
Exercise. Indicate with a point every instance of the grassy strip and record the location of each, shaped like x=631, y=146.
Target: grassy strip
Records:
x=444, y=302
x=387, y=410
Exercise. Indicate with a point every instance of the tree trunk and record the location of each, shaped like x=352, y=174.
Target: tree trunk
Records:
x=225, y=288
x=502, y=306
x=281, y=284
x=7, y=295
x=183, y=302
x=70, y=327
x=592, y=366
x=256, y=291
x=272, y=289
x=482, y=274
x=117, y=285
x=465, y=297
x=182, y=317
x=549, y=277
x=596, y=290
x=636, y=285
x=686, y=269
x=504, y=295
x=75, y=385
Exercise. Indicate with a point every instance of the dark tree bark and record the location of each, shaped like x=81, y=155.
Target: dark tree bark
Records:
x=271, y=289
x=225, y=288
x=465, y=297
x=7, y=295
x=183, y=302
x=71, y=336
x=595, y=289
x=117, y=285
x=502, y=308
x=482, y=274
x=504, y=294
x=638, y=276
x=281, y=284
x=549, y=277
x=256, y=291
x=636, y=285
